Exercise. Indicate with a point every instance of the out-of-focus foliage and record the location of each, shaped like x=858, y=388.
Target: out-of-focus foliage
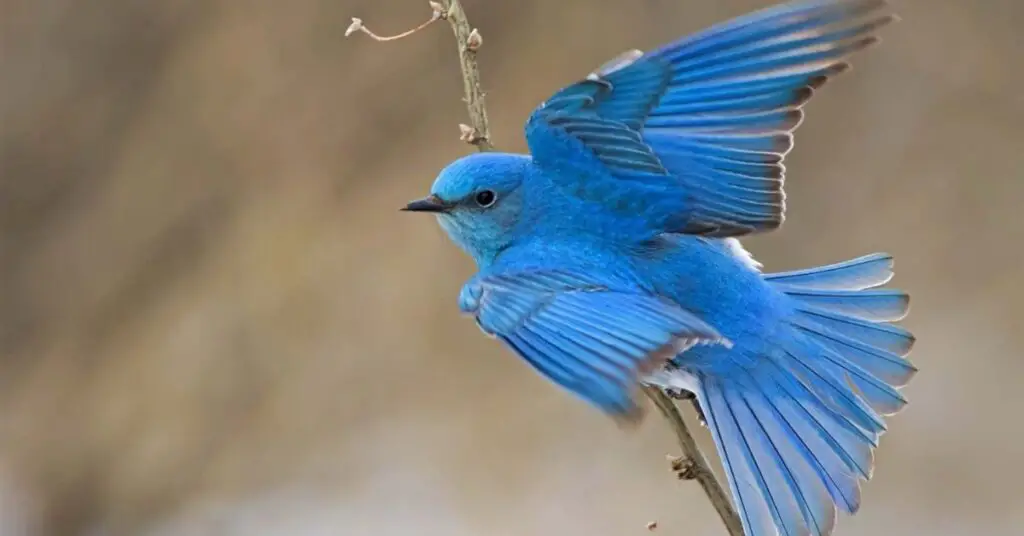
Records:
x=213, y=320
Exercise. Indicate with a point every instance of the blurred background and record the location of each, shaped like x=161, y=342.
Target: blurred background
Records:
x=214, y=320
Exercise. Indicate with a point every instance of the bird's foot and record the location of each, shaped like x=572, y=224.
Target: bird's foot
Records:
x=683, y=394
x=680, y=394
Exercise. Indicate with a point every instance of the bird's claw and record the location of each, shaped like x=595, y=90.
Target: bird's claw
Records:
x=683, y=394
x=680, y=394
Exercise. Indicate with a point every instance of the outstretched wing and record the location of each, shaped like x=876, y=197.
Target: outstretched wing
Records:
x=692, y=136
x=590, y=338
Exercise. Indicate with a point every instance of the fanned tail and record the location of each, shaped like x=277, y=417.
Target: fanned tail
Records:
x=796, y=432
x=847, y=322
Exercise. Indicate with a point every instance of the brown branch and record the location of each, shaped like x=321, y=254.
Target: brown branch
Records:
x=357, y=26
x=468, y=40
x=692, y=465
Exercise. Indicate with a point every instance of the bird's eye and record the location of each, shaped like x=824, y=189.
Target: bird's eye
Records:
x=485, y=198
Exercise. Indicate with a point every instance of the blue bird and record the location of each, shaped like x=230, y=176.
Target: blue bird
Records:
x=609, y=258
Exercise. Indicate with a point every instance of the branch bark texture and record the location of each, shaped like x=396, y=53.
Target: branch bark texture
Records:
x=469, y=41
x=693, y=465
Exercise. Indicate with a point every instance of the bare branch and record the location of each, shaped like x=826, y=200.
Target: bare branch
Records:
x=469, y=41
x=357, y=26
x=692, y=465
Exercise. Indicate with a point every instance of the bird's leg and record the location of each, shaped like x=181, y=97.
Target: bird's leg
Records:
x=683, y=394
x=680, y=394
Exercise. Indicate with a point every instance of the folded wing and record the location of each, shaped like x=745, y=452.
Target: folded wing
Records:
x=591, y=338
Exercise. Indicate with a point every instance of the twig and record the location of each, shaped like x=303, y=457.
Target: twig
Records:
x=357, y=26
x=691, y=465
x=468, y=40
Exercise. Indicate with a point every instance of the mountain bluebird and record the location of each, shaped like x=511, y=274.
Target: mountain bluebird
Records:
x=609, y=258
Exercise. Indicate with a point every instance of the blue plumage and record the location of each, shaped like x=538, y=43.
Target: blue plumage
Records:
x=592, y=335
x=608, y=260
x=704, y=123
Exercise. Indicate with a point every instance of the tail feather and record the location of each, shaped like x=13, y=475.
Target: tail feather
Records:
x=852, y=444
x=797, y=430
x=778, y=483
x=829, y=387
x=841, y=454
x=886, y=366
x=865, y=272
x=883, y=336
x=794, y=442
x=849, y=326
x=871, y=305
x=810, y=485
x=761, y=508
x=879, y=396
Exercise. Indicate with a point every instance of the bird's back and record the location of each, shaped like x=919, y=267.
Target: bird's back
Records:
x=713, y=278
x=716, y=280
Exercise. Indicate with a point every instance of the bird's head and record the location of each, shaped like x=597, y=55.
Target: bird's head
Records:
x=478, y=201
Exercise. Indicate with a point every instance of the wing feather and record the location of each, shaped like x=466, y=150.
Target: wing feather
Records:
x=673, y=130
x=594, y=339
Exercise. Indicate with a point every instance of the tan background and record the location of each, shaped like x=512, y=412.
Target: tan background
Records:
x=213, y=320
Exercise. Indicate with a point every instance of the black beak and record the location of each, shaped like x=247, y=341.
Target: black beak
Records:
x=431, y=203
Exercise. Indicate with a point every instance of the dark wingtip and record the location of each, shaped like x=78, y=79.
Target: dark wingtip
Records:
x=864, y=43
x=802, y=95
x=795, y=119
x=630, y=418
x=817, y=82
